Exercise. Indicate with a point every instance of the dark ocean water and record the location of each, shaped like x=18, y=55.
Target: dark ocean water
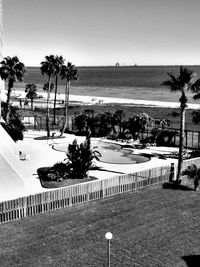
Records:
x=134, y=82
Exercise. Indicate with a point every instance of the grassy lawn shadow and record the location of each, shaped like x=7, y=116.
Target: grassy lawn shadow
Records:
x=175, y=186
x=192, y=260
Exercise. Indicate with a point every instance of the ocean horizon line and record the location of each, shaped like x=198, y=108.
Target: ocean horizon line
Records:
x=133, y=66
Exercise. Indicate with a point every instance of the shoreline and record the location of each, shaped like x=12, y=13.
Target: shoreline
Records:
x=92, y=100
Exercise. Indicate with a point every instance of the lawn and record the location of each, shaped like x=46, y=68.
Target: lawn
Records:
x=154, y=227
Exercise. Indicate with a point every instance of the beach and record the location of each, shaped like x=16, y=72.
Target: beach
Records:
x=92, y=100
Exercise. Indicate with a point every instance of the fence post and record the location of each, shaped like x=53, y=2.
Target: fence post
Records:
x=135, y=181
x=149, y=177
x=172, y=172
x=101, y=190
x=161, y=174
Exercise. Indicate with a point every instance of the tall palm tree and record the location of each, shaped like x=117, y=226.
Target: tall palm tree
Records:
x=48, y=68
x=30, y=91
x=12, y=70
x=68, y=73
x=184, y=82
x=59, y=62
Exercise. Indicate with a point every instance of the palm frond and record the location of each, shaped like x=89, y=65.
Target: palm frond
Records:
x=195, y=87
x=182, y=82
x=196, y=96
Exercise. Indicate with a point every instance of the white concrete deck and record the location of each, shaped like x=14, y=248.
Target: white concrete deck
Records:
x=41, y=154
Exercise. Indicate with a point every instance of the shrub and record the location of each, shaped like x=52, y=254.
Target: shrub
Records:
x=61, y=170
x=14, y=127
x=165, y=137
x=57, y=172
x=192, y=172
x=46, y=174
x=80, y=158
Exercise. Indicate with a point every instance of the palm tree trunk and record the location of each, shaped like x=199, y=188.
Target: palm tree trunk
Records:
x=66, y=107
x=31, y=103
x=182, y=134
x=55, y=96
x=47, y=116
x=8, y=103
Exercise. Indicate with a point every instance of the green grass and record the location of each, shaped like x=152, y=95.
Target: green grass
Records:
x=155, y=227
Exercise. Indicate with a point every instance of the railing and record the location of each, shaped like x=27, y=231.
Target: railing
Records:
x=81, y=193
x=191, y=140
x=39, y=122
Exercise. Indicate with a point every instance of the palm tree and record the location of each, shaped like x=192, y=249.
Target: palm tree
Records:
x=184, y=82
x=31, y=92
x=12, y=70
x=59, y=62
x=81, y=158
x=138, y=124
x=48, y=68
x=68, y=73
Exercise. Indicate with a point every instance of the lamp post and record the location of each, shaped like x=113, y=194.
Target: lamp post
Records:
x=108, y=237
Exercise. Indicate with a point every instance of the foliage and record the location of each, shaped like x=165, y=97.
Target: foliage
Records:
x=30, y=91
x=80, y=157
x=68, y=72
x=61, y=169
x=80, y=122
x=104, y=124
x=14, y=127
x=46, y=87
x=163, y=137
x=12, y=70
x=138, y=123
x=99, y=125
x=59, y=62
x=192, y=172
x=175, y=114
x=184, y=82
x=48, y=68
x=196, y=116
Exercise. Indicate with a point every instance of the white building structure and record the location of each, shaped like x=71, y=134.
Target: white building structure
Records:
x=11, y=182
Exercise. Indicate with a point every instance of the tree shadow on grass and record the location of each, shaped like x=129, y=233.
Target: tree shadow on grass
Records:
x=192, y=260
x=96, y=168
x=175, y=186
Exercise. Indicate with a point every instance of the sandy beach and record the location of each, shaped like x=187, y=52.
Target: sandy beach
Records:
x=92, y=100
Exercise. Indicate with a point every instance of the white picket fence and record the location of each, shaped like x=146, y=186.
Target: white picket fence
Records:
x=81, y=193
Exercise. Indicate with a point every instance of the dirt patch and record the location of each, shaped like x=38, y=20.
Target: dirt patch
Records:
x=66, y=182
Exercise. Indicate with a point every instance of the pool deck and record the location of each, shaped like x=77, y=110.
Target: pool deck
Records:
x=40, y=154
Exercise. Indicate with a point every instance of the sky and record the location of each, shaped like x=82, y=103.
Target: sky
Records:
x=103, y=32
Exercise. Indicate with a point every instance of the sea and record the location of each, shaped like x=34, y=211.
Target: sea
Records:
x=128, y=82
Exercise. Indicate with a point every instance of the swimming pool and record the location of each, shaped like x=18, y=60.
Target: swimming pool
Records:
x=111, y=153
